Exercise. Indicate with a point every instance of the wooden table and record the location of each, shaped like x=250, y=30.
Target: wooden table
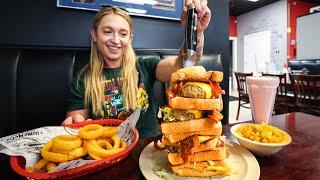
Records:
x=301, y=158
x=298, y=160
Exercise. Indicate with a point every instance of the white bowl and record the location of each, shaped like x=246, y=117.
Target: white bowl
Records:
x=263, y=149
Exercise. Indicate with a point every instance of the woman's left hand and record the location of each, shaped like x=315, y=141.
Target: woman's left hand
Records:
x=203, y=12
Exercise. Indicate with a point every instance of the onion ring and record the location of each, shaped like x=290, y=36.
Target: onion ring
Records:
x=104, y=143
x=109, y=131
x=66, y=142
x=61, y=151
x=91, y=131
x=51, y=166
x=78, y=152
x=54, y=157
x=39, y=165
x=94, y=157
x=116, y=142
x=123, y=144
x=93, y=148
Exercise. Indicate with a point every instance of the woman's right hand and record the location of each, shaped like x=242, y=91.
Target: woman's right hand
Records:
x=203, y=12
x=76, y=117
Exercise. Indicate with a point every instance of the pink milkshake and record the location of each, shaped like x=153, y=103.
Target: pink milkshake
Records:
x=262, y=92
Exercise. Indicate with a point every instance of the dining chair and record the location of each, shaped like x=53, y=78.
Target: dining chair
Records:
x=281, y=101
x=307, y=92
x=242, y=90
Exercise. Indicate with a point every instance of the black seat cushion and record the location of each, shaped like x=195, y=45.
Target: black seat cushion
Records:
x=8, y=71
x=82, y=57
x=43, y=78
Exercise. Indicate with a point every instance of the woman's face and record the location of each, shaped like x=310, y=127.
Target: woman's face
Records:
x=112, y=36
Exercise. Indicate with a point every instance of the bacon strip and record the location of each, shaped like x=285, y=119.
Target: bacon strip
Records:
x=187, y=146
x=216, y=116
x=155, y=143
x=216, y=89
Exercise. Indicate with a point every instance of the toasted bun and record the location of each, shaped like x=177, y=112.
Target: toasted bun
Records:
x=196, y=73
x=197, y=104
x=218, y=153
x=206, y=146
x=172, y=138
x=181, y=136
x=201, y=169
x=196, y=125
x=216, y=76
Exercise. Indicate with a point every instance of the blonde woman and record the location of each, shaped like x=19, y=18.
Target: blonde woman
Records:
x=114, y=82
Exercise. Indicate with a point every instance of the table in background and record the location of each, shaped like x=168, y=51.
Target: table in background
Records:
x=298, y=160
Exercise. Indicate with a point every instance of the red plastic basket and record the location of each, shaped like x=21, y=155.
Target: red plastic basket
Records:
x=18, y=162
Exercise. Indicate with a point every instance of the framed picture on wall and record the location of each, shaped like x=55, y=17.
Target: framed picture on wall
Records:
x=80, y=4
x=164, y=9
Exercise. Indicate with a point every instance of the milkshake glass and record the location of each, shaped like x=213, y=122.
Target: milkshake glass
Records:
x=262, y=92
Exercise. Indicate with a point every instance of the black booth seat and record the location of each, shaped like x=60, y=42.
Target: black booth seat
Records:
x=35, y=81
x=310, y=65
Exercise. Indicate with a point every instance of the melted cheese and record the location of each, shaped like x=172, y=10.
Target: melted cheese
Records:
x=206, y=87
x=197, y=113
x=204, y=138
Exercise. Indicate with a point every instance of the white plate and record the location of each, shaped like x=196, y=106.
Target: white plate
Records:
x=244, y=164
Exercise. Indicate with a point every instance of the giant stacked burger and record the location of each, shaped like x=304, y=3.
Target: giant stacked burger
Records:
x=191, y=124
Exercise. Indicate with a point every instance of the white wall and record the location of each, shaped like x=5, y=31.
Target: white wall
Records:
x=272, y=17
x=308, y=28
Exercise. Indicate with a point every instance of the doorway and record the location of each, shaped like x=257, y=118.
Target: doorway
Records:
x=257, y=48
x=233, y=93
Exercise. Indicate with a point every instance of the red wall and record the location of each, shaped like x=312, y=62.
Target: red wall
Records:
x=295, y=8
x=232, y=26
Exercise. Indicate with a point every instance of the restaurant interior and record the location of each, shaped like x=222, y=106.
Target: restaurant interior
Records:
x=42, y=47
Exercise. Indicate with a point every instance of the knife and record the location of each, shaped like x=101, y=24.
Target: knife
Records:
x=190, y=38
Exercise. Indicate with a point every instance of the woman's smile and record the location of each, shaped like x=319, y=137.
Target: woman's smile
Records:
x=114, y=49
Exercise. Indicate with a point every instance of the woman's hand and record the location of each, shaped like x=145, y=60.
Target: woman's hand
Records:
x=167, y=66
x=76, y=117
x=203, y=13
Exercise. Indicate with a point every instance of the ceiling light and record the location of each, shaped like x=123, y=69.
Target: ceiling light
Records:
x=253, y=0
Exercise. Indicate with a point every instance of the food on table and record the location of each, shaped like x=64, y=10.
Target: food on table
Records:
x=94, y=141
x=191, y=126
x=66, y=142
x=63, y=156
x=91, y=131
x=39, y=165
x=102, y=148
x=193, y=88
x=51, y=166
x=263, y=133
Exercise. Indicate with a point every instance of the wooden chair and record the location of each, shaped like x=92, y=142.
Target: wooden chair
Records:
x=281, y=102
x=307, y=92
x=242, y=90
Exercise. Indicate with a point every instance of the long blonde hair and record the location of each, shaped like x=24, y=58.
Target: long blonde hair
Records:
x=94, y=88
